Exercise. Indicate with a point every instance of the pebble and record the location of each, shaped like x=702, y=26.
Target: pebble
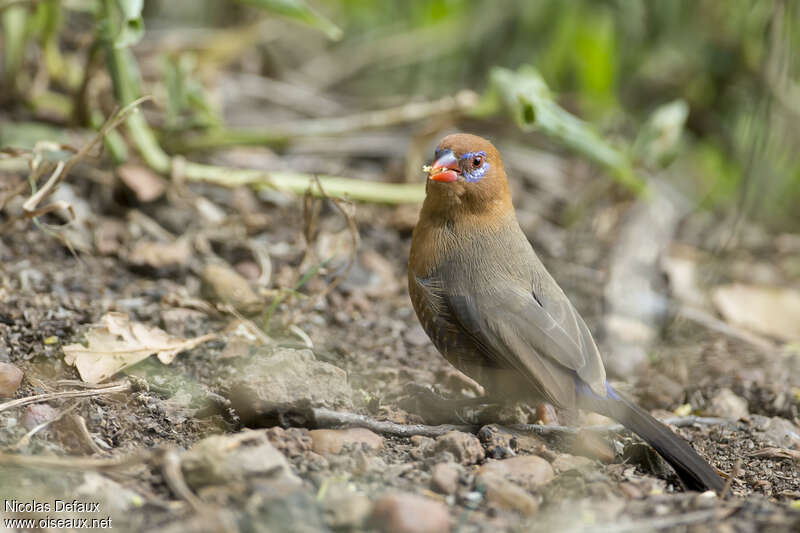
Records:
x=222, y=459
x=409, y=513
x=528, y=470
x=594, y=446
x=333, y=441
x=727, y=404
x=444, y=477
x=506, y=495
x=422, y=446
x=271, y=379
x=37, y=414
x=10, y=378
x=345, y=509
x=565, y=462
x=290, y=442
x=223, y=284
x=465, y=447
x=499, y=444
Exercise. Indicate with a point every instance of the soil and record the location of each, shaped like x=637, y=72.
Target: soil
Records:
x=365, y=326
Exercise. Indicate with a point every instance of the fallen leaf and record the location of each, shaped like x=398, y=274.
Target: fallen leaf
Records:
x=116, y=343
x=770, y=311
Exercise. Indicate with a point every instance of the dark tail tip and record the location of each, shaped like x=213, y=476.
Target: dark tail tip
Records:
x=693, y=470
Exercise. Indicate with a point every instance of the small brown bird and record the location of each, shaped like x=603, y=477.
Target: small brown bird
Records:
x=492, y=309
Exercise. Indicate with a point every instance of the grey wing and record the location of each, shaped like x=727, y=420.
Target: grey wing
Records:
x=540, y=335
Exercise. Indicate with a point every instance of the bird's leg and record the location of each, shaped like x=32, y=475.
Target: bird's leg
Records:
x=436, y=408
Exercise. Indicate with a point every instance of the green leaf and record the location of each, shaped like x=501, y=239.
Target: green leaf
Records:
x=527, y=98
x=301, y=11
x=131, y=27
x=658, y=141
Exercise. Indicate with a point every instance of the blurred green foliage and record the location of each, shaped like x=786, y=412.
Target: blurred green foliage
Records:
x=707, y=89
x=614, y=62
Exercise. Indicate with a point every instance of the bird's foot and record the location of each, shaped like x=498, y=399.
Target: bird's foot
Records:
x=437, y=409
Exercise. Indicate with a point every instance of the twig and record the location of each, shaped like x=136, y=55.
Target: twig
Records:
x=677, y=421
x=171, y=468
x=329, y=418
x=74, y=462
x=27, y=437
x=734, y=474
x=777, y=453
x=279, y=134
x=39, y=398
x=298, y=183
x=83, y=431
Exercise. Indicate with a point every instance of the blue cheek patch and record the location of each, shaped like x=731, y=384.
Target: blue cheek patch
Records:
x=474, y=174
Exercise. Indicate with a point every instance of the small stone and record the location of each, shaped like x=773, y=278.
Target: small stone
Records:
x=506, y=495
x=225, y=285
x=727, y=404
x=10, y=378
x=248, y=269
x=273, y=380
x=222, y=459
x=444, y=477
x=345, y=509
x=37, y=414
x=409, y=513
x=499, y=444
x=631, y=491
x=465, y=447
x=115, y=498
x=528, y=470
x=423, y=446
x=290, y=442
x=182, y=322
x=160, y=254
x=778, y=431
x=565, y=462
x=590, y=444
x=333, y=441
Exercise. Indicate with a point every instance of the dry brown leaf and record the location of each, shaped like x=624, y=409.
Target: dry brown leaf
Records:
x=770, y=311
x=116, y=343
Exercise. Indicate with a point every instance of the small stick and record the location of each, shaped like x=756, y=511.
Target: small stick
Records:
x=735, y=472
x=27, y=437
x=39, y=398
x=329, y=418
x=171, y=468
x=74, y=462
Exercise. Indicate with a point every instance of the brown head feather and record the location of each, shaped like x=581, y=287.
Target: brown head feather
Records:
x=488, y=198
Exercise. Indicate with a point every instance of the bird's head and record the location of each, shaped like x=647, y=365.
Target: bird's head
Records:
x=467, y=174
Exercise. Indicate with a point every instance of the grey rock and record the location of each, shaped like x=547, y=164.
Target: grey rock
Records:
x=223, y=459
x=728, y=405
x=274, y=380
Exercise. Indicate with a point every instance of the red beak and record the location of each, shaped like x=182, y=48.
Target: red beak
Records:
x=445, y=169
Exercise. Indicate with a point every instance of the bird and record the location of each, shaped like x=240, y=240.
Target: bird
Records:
x=492, y=309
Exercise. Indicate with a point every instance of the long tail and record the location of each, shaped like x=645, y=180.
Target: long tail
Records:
x=693, y=470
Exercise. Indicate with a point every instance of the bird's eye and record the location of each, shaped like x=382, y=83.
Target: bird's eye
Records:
x=477, y=161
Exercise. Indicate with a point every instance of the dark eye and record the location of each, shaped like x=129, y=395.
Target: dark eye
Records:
x=477, y=161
